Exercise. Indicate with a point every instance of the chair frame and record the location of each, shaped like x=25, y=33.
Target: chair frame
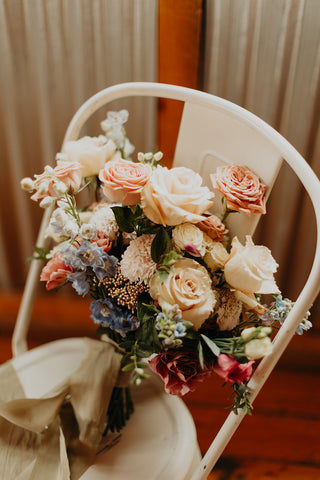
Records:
x=286, y=151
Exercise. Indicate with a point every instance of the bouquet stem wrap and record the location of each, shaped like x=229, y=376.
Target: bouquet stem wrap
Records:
x=56, y=437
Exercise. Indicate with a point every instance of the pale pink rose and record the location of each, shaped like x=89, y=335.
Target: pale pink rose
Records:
x=180, y=371
x=91, y=152
x=228, y=368
x=213, y=227
x=44, y=187
x=241, y=188
x=104, y=242
x=250, y=268
x=123, y=180
x=55, y=272
x=175, y=196
x=188, y=285
x=69, y=174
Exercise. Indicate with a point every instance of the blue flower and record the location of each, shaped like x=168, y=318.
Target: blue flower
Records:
x=79, y=282
x=90, y=255
x=109, y=268
x=108, y=314
x=69, y=253
x=180, y=330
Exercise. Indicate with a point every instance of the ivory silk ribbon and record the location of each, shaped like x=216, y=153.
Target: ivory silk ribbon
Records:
x=56, y=437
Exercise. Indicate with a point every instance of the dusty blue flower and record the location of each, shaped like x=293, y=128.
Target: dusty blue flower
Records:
x=79, y=282
x=180, y=330
x=108, y=314
x=109, y=269
x=90, y=255
x=69, y=254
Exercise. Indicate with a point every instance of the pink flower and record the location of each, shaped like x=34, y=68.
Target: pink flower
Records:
x=64, y=174
x=69, y=174
x=241, y=188
x=180, y=371
x=213, y=227
x=55, y=272
x=228, y=368
x=123, y=181
x=104, y=242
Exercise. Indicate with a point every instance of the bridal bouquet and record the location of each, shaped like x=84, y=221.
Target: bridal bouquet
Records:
x=168, y=285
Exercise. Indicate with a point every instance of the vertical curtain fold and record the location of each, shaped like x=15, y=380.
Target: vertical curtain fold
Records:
x=54, y=55
x=264, y=56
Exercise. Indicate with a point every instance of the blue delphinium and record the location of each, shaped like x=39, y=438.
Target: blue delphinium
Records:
x=90, y=255
x=79, y=282
x=109, y=268
x=279, y=311
x=70, y=257
x=106, y=313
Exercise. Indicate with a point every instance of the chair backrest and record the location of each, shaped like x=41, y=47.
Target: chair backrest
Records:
x=213, y=132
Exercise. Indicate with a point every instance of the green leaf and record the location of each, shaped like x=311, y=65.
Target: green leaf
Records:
x=128, y=368
x=201, y=359
x=124, y=218
x=213, y=346
x=159, y=244
x=163, y=274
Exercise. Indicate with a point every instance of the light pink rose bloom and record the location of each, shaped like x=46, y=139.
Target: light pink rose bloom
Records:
x=175, y=196
x=55, y=272
x=189, y=286
x=228, y=368
x=241, y=188
x=250, y=268
x=123, y=180
x=69, y=174
x=213, y=227
x=180, y=371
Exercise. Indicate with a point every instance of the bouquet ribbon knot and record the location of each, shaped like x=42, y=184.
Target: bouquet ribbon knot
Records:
x=57, y=436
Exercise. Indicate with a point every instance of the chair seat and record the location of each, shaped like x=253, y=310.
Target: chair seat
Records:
x=158, y=442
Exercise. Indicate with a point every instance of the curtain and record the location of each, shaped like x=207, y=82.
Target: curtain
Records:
x=265, y=56
x=54, y=55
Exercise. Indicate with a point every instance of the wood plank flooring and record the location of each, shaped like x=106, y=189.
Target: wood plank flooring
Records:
x=282, y=438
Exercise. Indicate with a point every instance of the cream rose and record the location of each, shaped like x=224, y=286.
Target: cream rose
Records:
x=175, y=196
x=91, y=152
x=258, y=348
x=186, y=236
x=123, y=180
x=188, y=286
x=250, y=268
x=216, y=254
x=241, y=188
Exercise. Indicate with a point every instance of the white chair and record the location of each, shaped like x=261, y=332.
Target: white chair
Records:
x=213, y=131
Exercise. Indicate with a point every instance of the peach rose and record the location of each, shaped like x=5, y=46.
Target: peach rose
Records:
x=55, y=272
x=212, y=226
x=250, y=268
x=241, y=188
x=175, y=196
x=55, y=182
x=123, y=180
x=91, y=152
x=69, y=174
x=188, y=286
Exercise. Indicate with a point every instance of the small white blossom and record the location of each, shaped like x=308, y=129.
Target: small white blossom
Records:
x=27, y=184
x=60, y=188
x=47, y=202
x=48, y=170
x=71, y=229
x=63, y=157
x=158, y=156
x=88, y=231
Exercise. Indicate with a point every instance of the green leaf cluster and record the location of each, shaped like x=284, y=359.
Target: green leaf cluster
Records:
x=40, y=253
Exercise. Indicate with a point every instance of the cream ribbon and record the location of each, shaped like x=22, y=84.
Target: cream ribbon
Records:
x=56, y=437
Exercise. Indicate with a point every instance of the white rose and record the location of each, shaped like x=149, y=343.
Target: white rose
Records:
x=188, y=286
x=91, y=152
x=187, y=233
x=250, y=268
x=175, y=196
x=258, y=348
x=216, y=254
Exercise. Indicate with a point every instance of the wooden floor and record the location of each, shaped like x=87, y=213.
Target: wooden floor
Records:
x=282, y=438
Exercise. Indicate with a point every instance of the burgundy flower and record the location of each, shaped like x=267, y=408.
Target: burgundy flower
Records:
x=228, y=368
x=180, y=371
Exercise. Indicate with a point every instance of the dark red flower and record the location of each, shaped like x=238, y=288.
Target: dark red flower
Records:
x=228, y=368
x=179, y=370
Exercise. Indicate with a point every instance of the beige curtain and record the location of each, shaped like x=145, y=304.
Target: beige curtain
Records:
x=265, y=56
x=54, y=55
